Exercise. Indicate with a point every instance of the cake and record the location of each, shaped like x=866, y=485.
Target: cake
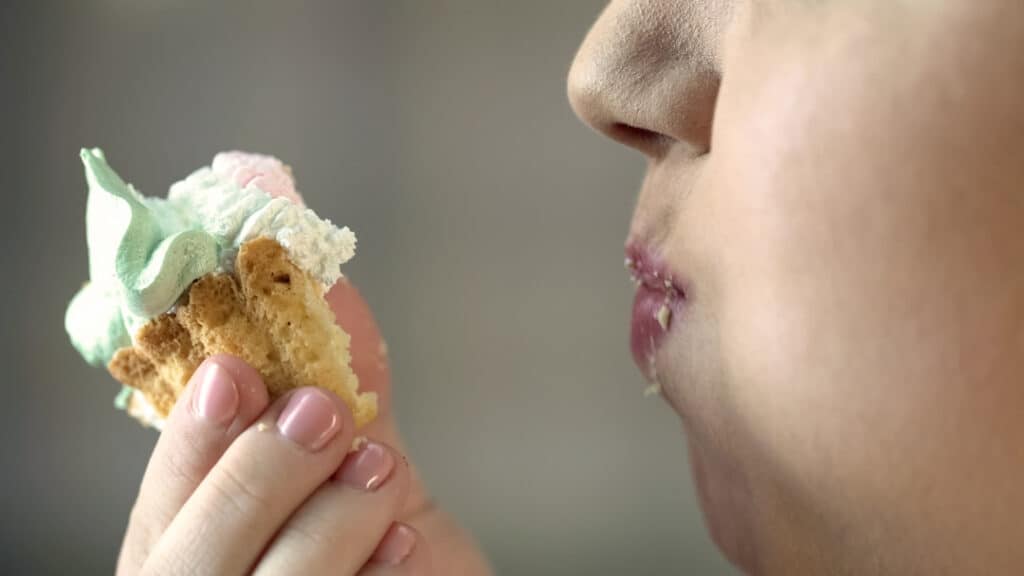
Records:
x=230, y=262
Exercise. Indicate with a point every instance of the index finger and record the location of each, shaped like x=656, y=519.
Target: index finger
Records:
x=188, y=448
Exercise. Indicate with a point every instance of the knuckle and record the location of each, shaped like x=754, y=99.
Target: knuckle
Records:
x=174, y=563
x=139, y=522
x=179, y=463
x=186, y=455
x=143, y=532
x=236, y=493
x=309, y=537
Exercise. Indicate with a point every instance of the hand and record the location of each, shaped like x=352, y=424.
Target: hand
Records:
x=237, y=487
x=452, y=550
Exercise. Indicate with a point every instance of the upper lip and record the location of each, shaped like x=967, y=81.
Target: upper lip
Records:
x=646, y=268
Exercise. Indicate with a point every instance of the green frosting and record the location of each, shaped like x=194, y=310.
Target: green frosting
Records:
x=95, y=324
x=142, y=256
x=123, y=397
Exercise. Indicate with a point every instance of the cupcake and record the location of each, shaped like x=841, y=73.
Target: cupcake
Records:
x=231, y=262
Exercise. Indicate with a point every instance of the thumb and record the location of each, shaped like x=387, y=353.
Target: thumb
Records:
x=370, y=363
x=369, y=353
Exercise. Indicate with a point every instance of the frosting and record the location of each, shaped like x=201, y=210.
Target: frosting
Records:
x=233, y=215
x=264, y=172
x=145, y=252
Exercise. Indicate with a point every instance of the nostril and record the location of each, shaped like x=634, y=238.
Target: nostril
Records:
x=647, y=141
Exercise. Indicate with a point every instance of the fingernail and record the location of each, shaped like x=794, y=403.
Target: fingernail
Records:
x=216, y=395
x=310, y=419
x=396, y=546
x=367, y=468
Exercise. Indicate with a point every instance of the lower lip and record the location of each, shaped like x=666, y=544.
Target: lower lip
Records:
x=654, y=312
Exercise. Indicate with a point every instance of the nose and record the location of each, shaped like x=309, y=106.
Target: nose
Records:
x=647, y=74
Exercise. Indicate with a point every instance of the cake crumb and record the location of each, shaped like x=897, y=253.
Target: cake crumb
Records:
x=664, y=316
x=262, y=427
x=358, y=443
x=654, y=389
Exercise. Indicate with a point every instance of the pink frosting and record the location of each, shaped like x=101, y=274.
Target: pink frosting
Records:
x=264, y=172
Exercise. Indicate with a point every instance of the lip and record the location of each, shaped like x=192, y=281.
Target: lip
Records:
x=657, y=307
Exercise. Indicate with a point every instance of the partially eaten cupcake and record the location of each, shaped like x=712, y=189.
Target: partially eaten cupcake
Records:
x=231, y=262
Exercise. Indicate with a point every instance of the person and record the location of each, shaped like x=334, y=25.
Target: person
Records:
x=829, y=247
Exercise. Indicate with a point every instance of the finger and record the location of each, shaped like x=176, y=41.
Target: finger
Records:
x=339, y=527
x=264, y=476
x=402, y=552
x=222, y=398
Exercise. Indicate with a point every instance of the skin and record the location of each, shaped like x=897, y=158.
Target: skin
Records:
x=838, y=186
x=219, y=497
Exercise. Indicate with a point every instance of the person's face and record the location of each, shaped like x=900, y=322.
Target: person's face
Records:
x=835, y=188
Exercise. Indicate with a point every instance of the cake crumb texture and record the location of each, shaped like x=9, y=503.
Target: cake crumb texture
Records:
x=268, y=313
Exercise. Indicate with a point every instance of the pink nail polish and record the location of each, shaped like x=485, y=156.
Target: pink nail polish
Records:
x=215, y=398
x=310, y=419
x=367, y=468
x=396, y=546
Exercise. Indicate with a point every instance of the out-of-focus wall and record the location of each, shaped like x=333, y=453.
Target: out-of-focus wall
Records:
x=490, y=222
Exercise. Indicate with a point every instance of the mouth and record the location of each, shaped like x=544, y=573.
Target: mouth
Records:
x=657, y=307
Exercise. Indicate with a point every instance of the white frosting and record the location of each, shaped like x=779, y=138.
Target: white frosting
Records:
x=235, y=215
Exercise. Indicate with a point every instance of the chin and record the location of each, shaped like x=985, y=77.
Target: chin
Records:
x=727, y=506
x=722, y=482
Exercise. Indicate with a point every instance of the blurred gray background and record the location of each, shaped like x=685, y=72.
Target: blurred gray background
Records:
x=490, y=222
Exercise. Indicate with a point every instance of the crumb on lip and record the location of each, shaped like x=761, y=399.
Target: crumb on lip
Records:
x=634, y=274
x=663, y=316
x=653, y=277
x=654, y=388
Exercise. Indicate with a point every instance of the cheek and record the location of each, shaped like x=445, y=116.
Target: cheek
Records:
x=860, y=288
x=810, y=284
